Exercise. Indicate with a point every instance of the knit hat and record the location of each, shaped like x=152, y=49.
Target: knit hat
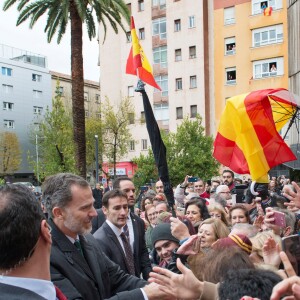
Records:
x=162, y=232
x=239, y=240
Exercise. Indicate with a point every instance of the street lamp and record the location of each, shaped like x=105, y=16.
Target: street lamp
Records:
x=97, y=163
x=37, y=158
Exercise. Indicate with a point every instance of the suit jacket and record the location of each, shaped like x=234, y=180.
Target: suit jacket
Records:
x=92, y=277
x=97, y=194
x=98, y=221
x=12, y=292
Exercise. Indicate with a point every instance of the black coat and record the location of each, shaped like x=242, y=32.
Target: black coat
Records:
x=97, y=194
x=112, y=248
x=98, y=221
x=94, y=277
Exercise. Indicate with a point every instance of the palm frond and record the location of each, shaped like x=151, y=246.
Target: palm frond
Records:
x=62, y=29
x=8, y=3
x=81, y=7
x=30, y=10
x=90, y=25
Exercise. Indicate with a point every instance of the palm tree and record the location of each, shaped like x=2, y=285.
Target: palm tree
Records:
x=78, y=11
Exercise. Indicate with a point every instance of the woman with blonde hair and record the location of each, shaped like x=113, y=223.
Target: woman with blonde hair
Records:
x=216, y=211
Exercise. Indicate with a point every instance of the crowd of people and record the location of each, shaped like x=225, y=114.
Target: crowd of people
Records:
x=217, y=240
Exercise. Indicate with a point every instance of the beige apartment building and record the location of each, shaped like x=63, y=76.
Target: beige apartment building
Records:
x=177, y=39
x=91, y=93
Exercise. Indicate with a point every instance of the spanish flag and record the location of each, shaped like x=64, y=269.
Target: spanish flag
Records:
x=268, y=11
x=137, y=62
x=248, y=141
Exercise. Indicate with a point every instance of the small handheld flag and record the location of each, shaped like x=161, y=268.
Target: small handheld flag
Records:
x=268, y=11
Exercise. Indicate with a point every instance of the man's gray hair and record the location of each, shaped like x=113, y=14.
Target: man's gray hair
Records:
x=57, y=190
x=220, y=188
x=244, y=228
x=220, y=200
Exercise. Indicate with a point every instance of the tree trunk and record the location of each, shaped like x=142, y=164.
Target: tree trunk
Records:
x=78, y=91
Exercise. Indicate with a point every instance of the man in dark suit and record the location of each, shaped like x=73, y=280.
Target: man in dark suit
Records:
x=112, y=236
x=25, y=244
x=109, y=186
x=78, y=265
x=98, y=194
x=136, y=226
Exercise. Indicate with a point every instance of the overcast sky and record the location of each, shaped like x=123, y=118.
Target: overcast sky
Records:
x=35, y=40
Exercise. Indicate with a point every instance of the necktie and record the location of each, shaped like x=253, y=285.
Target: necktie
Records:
x=59, y=294
x=126, y=231
x=78, y=246
x=128, y=254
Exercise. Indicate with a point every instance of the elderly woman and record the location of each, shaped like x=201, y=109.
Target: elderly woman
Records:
x=196, y=211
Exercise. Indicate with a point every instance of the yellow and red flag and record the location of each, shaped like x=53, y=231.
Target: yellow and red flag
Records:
x=268, y=11
x=248, y=140
x=137, y=62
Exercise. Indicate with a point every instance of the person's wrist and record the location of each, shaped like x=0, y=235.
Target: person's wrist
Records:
x=183, y=185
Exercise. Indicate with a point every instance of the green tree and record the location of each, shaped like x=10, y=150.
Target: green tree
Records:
x=59, y=12
x=53, y=139
x=10, y=153
x=116, y=133
x=189, y=152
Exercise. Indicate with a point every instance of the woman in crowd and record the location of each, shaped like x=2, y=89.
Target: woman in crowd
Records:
x=216, y=211
x=238, y=214
x=196, y=211
x=151, y=218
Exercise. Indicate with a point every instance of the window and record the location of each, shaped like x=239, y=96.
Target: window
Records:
x=267, y=35
x=141, y=5
x=37, y=126
x=258, y=6
x=144, y=144
x=268, y=67
x=178, y=84
x=143, y=117
x=8, y=106
x=142, y=33
x=177, y=25
x=131, y=118
x=179, y=113
x=229, y=15
x=7, y=89
x=159, y=27
x=162, y=81
x=193, y=82
x=6, y=71
x=178, y=56
x=86, y=96
x=87, y=114
x=9, y=124
x=36, y=77
x=193, y=111
x=230, y=75
x=98, y=115
x=192, y=52
x=192, y=22
x=128, y=36
x=160, y=3
x=61, y=91
x=130, y=91
x=132, y=145
x=37, y=110
x=160, y=56
x=97, y=98
x=230, y=46
x=161, y=111
x=37, y=94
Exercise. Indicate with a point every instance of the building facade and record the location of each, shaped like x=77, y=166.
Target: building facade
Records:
x=25, y=93
x=177, y=39
x=251, y=49
x=91, y=93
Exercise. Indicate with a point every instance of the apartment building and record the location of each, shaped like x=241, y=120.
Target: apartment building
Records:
x=251, y=49
x=177, y=39
x=25, y=93
x=91, y=93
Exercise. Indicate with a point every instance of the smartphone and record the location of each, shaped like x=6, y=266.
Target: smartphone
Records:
x=291, y=246
x=192, y=179
x=279, y=219
x=144, y=188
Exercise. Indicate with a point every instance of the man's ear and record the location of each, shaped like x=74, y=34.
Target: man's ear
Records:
x=57, y=212
x=105, y=210
x=46, y=231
